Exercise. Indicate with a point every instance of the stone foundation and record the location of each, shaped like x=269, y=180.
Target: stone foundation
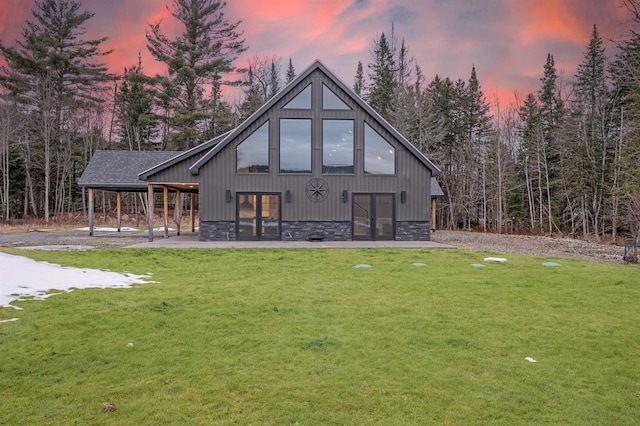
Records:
x=302, y=230
x=217, y=231
x=413, y=231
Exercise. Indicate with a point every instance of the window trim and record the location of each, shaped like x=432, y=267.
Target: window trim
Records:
x=267, y=122
x=364, y=152
x=323, y=108
x=308, y=86
x=353, y=146
x=310, y=120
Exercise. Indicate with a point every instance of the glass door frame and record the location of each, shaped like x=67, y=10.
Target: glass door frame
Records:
x=373, y=233
x=258, y=235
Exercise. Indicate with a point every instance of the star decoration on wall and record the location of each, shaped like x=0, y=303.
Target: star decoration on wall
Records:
x=317, y=190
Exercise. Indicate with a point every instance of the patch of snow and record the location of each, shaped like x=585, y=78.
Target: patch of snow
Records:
x=123, y=229
x=530, y=359
x=57, y=247
x=495, y=259
x=9, y=320
x=23, y=278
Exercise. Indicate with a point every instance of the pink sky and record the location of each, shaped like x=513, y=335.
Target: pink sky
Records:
x=506, y=40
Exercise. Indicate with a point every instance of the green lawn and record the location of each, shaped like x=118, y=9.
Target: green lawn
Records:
x=280, y=337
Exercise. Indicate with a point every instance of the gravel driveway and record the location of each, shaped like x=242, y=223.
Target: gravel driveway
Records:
x=532, y=245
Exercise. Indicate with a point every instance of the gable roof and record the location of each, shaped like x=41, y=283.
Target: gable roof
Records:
x=317, y=65
x=118, y=170
x=144, y=175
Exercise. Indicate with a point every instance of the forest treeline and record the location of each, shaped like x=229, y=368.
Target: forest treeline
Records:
x=563, y=160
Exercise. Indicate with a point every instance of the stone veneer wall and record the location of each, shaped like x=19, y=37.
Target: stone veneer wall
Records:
x=300, y=231
x=217, y=231
x=413, y=231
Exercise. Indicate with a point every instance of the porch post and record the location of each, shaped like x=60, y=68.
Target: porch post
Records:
x=150, y=210
x=193, y=214
x=91, y=212
x=433, y=213
x=118, y=209
x=166, y=210
x=178, y=211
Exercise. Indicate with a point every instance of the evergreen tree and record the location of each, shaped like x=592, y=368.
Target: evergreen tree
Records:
x=551, y=110
x=550, y=102
x=625, y=74
x=274, y=79
x=135, y=109
x=53, y=72
x=204, y=50
x=222, y=118
x=587, y=163
x=291, y=73
x=359, y=84
x=529, y=159
x=253, y=96
x=381, y=75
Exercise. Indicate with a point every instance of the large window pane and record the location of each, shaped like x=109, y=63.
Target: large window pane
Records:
x=295, y=146
x=331, y=101
x=252, y=154
x=301, y=101
x=379, y=155
x=337, y=146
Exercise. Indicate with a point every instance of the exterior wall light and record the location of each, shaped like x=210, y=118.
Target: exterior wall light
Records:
x=287, y=196
x=228, y=195
x=345, y=196
x=403, y=197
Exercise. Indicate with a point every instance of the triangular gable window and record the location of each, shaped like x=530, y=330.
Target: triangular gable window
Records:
x=301, y=101
x=331, y=101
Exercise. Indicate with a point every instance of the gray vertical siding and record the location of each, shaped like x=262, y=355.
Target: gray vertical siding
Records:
x=219, y=174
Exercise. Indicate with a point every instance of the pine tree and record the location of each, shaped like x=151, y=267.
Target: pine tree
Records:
x=529, y=159
x=53, y=72
x=550, y=103
x=381, y=75
x=588, y=163
x=222, y=118
x=135, y=109
x=358, y=84
x=204, y=50
x=253, y=96
x=625, y=75
x=551, y=110
x=274, y=79
x=291, y=73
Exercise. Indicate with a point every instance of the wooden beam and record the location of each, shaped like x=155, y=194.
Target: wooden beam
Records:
x=433, y=213
x=91, y=199
x=119, y=209
x=178, y=211
x=193, y=212
x=150, y=210
x=166, y=210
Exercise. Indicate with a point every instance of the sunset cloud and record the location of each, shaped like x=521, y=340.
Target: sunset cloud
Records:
x=506, y=40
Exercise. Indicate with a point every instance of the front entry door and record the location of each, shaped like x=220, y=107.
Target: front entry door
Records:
x=258, y=216
x=373, y=217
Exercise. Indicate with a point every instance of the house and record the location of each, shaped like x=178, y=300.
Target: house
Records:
x=315, y=162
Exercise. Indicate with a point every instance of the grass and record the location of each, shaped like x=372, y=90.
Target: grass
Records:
x=302, y=337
